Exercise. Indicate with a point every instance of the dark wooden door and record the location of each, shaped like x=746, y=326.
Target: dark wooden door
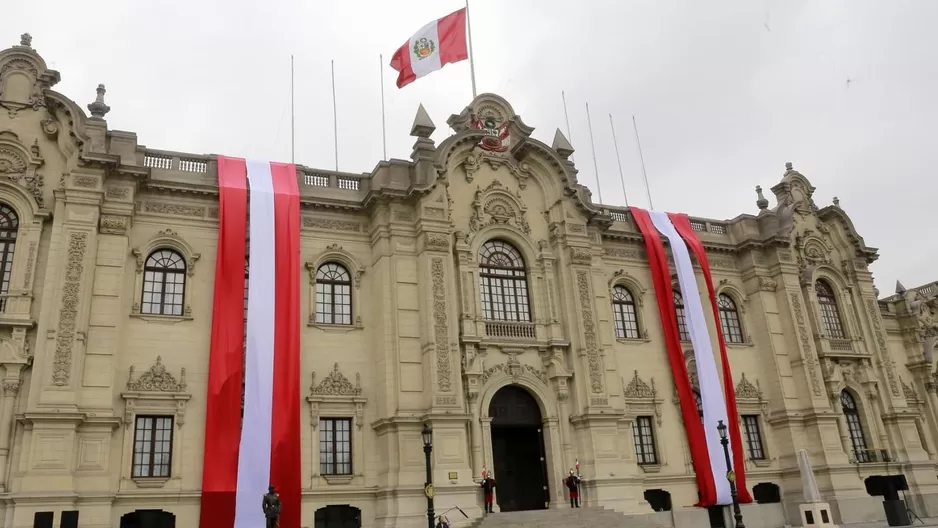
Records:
x=518, y=449
x=338, y=516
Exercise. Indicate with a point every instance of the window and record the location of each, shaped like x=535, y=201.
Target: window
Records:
x=699, y=403
x=247, y=274
x=333, y=294
x=729, y=319
x=504, y=283
x=681, y=318
x=644, y=438
x=335, y=446
x=623, y=309
x=830, y=313
x=164, y=283
x=9, y=224
x=153, y=446
x=753, y=437
x=855, y=427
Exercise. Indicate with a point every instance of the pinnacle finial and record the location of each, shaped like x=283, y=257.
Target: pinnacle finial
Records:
x=562, y=145
x=26, y=40
x=761, y=201
x=900, y=288
x=423, y=126
x=98, y=109
x=789, y=166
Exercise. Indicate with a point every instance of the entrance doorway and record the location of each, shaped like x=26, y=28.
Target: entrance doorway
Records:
x=148, y=519
x=338, y=516
x=518, y=449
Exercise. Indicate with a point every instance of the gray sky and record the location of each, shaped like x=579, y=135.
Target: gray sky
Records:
x=725, y=92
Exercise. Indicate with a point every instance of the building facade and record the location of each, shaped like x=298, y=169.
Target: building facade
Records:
x=475, y=287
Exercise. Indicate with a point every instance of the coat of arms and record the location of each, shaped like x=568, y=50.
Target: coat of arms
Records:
x=497, y=137
x=423, y=48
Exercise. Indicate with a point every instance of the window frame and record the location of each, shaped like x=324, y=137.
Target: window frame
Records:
x=151, y=267
x=640, y=442
x=855, y=428
x=346, y=282
x=494, y=278
x=830, y=310
x=9, y=238
x=619, y=313
x=680, y=316
x=731, y=335
x=165, y=240
x=335, y=420
x=755, y=436
x=153, y=419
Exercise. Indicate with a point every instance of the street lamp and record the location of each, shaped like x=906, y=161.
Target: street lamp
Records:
x=730, y=475
x=428, y=490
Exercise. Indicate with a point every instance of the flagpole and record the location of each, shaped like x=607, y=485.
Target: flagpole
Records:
x=335, y=120
x=472, y=56
x=292, y=117
x=566, y=116
x=599, y=188
x=641, y=157
x=384, y=128
x=618, y=160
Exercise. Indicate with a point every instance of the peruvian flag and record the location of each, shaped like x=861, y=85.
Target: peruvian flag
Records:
x=245, y=455
x=717, y=399
x=438, y=43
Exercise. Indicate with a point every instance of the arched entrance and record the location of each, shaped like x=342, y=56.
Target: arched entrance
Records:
x=338, y=516
x=148, y=519
x=518, y=450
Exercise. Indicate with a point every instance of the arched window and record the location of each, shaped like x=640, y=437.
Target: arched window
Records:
x=9, y=224
x=681, y=317
x=699, y=403
x=333, y=294
x=623, y=309
x=729, y=319
x=854, y=427
x=504, y=283
x=164, y=283
x=830, y=312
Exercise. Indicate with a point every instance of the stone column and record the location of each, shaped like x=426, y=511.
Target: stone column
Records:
x=10, y=389
x=842, y=428
x=475, y=430
x=880, y=428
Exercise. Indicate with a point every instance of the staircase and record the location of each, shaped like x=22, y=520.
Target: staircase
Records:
x=568, y=518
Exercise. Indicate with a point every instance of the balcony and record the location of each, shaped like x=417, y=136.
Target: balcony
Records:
x=515, y=331
x=871, y=456
x=841, y=345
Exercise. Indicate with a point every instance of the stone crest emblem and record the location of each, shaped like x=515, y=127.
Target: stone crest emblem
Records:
x=497, y=136
x=423, y=48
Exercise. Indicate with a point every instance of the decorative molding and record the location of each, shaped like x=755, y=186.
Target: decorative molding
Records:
x=638, y=389
x=807, y=354
x=642, y=398
x=441, y=325
x=888, y=364
x=331, y=224
x=625, y=253
x=157, y=379
x=30, y=265
x=495, y=205
x=336, y=384
x=404, y=216
x=591, y=341
x=767, y=284
x=436, y=213
x=114, y=224
x=12, y=387
x=15, y=167
x=68, y=314
x=582, y=256
x=436, y=241
x=747, y=391
x=116, y=193
x=513, y=369
x=191, y=211
x=89, y=182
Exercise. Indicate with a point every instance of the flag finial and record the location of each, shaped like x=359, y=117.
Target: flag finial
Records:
x=423, y=126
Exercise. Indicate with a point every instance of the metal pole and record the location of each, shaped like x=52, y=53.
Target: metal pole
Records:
x=642, y=158
x=619, y=161
x=384, y=129
x=472, y=56
x=335, y=120
x=427, y=449
x=731, y=477
x=589, y=122
x=567, y=118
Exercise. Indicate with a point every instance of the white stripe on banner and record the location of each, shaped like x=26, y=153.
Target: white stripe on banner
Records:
x=711, y=390
x=428, y=38
x=254, y=457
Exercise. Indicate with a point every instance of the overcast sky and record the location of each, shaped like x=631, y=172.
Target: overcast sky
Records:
x=725, y=92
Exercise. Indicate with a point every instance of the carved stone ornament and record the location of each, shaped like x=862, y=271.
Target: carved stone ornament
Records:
x=440, y=325
x=114, y=224
x=767, y=284
x=15, y=168
x=157, y=379
x=436, y=241
x=746, y=390
x=495, y=205
x=638, y=389
x=581, y=256
x=68, y=312
x=908, y=391
x=513, y=369
x=336, y=384
x=807, y=353
x=885, y=360
x=591, y=341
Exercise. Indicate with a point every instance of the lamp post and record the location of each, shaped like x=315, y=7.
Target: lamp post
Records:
x=730, y=475
x=428, y=490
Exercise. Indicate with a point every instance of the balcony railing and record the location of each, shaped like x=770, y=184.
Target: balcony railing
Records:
x=510, y=330
x=871, y=456
x=841, y=345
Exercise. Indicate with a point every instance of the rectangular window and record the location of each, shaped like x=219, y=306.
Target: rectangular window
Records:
x=753, y=437
x=153, y=447
x=644, y=438
x=335, y=446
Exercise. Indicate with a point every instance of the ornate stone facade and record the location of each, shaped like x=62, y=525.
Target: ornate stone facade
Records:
x=428, y=338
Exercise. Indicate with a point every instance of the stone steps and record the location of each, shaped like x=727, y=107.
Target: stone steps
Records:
x=567, y=518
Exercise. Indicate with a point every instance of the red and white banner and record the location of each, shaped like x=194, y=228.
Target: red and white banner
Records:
x=435, y=45
x=718, y=400
x=236, y=474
